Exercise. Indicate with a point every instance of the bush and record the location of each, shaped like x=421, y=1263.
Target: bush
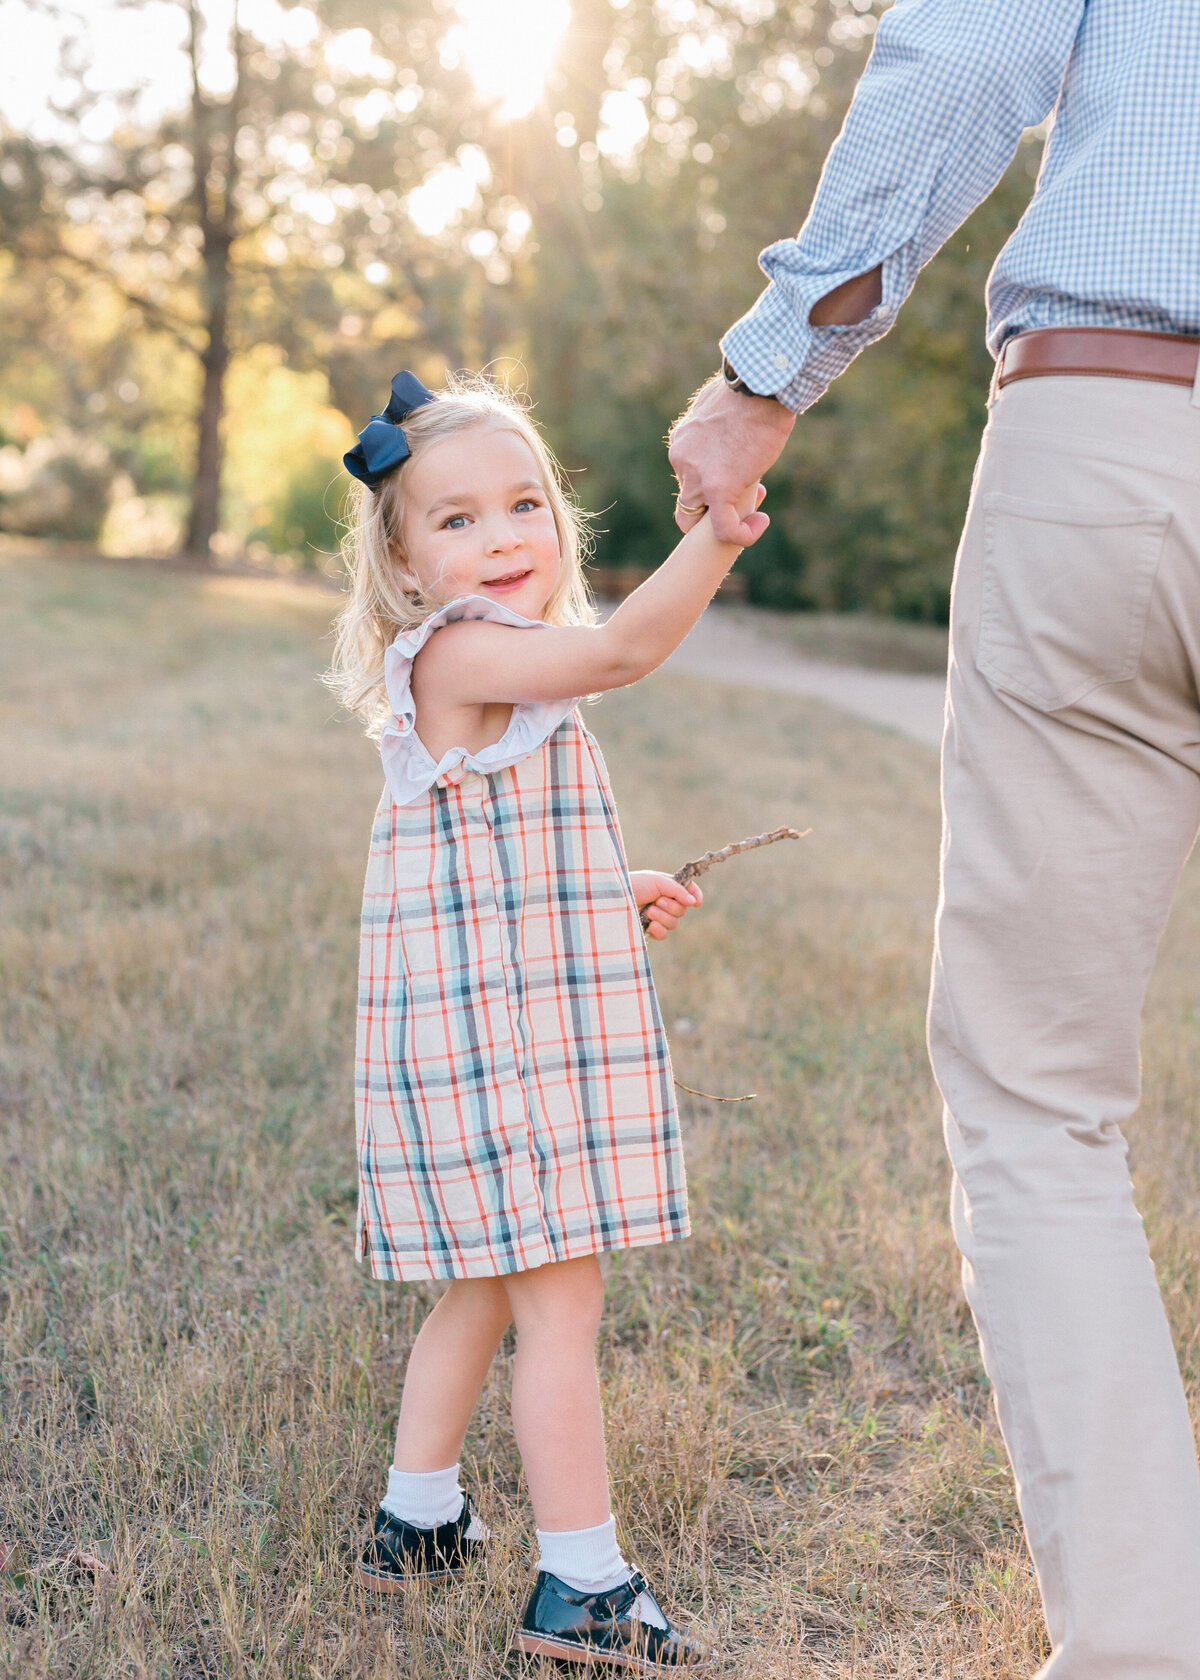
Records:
x=58, y=486
x=306, y=519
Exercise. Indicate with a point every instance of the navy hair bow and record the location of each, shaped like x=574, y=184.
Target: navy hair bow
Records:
x=382, y=444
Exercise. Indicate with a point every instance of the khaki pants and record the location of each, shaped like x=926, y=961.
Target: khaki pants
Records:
x=1072, y=797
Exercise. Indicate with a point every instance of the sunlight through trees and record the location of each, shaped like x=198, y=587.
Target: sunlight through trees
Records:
x=570, y=194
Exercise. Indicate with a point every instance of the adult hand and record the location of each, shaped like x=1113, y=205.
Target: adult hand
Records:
x=720, y=448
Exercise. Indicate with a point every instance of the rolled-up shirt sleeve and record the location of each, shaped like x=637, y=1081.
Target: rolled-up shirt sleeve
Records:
x=949, y=89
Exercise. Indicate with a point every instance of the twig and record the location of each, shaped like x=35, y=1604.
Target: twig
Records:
x=701, y=865
x=692, y=1092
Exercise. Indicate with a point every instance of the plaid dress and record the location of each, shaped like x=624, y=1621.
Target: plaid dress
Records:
x=514, y=1092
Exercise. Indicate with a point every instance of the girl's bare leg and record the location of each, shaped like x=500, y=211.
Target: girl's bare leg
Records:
x=556, y=1411
x=446, y=1372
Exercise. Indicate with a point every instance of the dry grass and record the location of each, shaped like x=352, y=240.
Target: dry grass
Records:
x=199, y=1384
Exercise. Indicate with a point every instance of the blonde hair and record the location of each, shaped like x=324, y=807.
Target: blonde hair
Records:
x=379, y=607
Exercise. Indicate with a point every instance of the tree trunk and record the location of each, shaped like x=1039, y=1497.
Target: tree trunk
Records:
x=204, y=520
x=214, y=169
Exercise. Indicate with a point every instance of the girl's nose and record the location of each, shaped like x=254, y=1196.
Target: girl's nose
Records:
x=502, y=536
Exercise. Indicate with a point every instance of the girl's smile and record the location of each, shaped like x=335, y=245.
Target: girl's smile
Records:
x=478, y=521
x=510, y=580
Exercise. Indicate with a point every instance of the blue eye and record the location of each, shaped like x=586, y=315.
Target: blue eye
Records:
x=456, y=522
x=525, y=503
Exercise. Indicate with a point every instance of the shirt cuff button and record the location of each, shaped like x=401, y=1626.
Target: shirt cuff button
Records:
x=781, y=361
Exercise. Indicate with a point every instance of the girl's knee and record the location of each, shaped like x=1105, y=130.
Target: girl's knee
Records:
x=479, y=1297
x=566, y=1298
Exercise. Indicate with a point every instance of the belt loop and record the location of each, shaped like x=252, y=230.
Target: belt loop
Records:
x=994, y=387
x=1196, y=381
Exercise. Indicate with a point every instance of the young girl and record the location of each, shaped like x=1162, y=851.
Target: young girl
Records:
x=515, y=1102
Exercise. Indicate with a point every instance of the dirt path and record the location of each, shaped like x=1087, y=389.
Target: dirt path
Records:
x=728, y=651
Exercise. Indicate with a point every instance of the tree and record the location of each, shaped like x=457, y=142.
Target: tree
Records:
x=598, y=246
x=268, y=208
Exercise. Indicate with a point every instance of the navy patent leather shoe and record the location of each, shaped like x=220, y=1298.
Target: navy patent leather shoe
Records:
x=397, y=1553
x=605, y=1629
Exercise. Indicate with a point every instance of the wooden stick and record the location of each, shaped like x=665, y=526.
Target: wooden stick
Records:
x=692, y=1092
x=701, y=865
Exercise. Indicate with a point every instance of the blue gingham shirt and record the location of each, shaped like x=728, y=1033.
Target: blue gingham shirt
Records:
x=1112, y=235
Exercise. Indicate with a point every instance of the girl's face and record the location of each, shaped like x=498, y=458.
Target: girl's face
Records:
x=477, y=521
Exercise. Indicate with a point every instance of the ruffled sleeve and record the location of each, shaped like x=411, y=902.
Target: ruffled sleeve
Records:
x=410, y=770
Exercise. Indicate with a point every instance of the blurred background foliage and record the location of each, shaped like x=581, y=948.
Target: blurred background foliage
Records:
x=202, y=300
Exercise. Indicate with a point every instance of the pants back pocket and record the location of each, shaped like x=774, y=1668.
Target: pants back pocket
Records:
x=1066, y=591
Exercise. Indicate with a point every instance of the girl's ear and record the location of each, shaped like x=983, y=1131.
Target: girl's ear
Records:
x=408, y=581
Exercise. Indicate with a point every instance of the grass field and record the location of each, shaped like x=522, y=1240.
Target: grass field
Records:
x=199, y=1385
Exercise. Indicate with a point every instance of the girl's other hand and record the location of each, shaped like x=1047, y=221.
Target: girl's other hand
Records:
x=664, y=901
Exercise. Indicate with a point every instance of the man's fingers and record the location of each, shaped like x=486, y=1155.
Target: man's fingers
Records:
x=720, y=448
x=730, y=526
x=753, y=527
x=685, y=521
x=726, y=521
x=690, y=507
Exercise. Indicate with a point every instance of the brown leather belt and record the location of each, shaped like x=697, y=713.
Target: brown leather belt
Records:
x=1102, y=352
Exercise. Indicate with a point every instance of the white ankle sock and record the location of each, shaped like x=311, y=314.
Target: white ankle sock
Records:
x=425, y=1498
x=587, y=1559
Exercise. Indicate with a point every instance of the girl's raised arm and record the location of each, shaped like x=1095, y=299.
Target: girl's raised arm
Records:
x=477, y=662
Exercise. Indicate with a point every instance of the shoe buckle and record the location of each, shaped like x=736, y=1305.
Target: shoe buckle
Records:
x=621, y=1598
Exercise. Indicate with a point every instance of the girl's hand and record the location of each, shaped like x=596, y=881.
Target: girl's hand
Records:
x=662, y=898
